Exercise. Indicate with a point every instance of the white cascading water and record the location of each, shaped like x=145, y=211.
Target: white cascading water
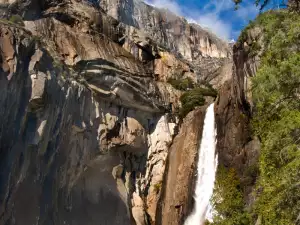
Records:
x=207, y=165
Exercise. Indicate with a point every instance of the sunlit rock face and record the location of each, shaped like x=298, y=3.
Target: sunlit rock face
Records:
x=180, y=177
x=169, y=30
x=87, y=114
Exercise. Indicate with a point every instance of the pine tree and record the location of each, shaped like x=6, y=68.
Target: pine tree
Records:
x=293, y=5
x=261, y=3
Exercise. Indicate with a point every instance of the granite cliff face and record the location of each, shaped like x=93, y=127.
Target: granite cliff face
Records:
x=238, y=147
x=169, y=30
x=179, y=182
x=87, y=128
x=83, y=123
x=66, y=146
x=200, y=49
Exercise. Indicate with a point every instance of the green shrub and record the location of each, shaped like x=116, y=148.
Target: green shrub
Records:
x=207, y=91
x=244, y=33
x=254, y=49
x=157, y=187
x=194, y=98
x=182, y=84
x=206, y=222
x=189, y=101
x=252, y=171
x=228, y=199
x=275, y=92
x=17, y=19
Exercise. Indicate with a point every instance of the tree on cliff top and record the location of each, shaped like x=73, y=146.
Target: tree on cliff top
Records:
x=293, y=5
x=261, y=3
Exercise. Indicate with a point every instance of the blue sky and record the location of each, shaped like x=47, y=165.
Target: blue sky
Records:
x=217, y=15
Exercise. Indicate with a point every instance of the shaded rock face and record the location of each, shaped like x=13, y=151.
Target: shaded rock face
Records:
x=235, y=105
x=237, y=147
x=177, y=194
x=70, y=143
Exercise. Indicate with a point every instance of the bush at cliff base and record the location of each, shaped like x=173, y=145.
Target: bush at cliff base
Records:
x=276, y=94
x=276, y=121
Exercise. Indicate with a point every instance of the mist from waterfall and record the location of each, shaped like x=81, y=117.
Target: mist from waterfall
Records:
x=207, y=165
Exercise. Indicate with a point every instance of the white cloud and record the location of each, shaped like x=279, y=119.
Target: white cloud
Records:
x=213, y=23
x=209, y=15
x=247, y=11
x=218, y=5
x=167, y=4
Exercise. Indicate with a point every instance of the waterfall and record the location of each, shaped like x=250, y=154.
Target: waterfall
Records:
x=207, y=165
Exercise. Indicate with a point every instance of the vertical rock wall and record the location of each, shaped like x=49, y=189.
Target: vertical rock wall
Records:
x=171, y=31
x=76, y=157
x=179, y=181
x=237, y=146
x=85, y=122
